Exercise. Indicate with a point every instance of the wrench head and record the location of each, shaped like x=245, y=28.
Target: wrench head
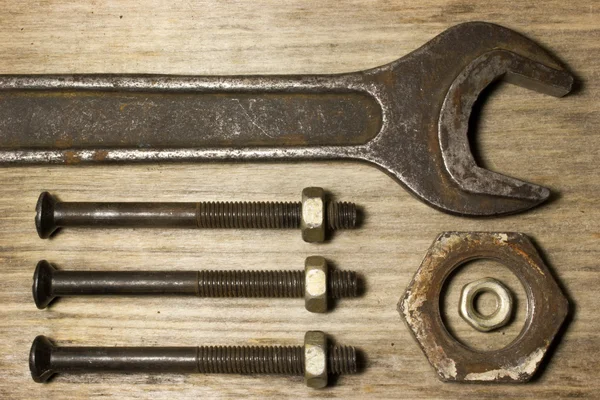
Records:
x=427, y=98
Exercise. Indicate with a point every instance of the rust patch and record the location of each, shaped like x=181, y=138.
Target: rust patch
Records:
x=100, y=155
x=63, y=143
x=72, y=157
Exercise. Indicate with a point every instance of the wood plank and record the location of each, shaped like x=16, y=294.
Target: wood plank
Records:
x=549, y=141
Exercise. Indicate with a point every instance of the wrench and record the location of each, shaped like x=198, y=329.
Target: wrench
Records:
x=409, y=117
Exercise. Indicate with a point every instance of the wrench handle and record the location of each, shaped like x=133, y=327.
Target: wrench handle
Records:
x=103, y=117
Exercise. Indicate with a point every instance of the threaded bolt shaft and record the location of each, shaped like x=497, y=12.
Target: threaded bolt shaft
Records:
x=52, y=214
x=268, y=215
x=46, y=359
x=248, y=283
x=248, y=215
x=270, y=360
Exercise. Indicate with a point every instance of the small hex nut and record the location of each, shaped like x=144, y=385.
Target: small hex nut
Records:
x=312, y=223
x=485, y=323
x=315, y=359
x=316, y=277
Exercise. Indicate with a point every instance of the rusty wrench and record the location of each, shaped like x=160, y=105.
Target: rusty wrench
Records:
x=409, y=117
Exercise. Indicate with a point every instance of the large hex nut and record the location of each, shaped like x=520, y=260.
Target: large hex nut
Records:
x=547, y=308
x=316, y=275
x=315, y=359
x=312, y=223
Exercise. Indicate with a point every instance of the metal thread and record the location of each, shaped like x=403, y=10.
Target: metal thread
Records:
x=270, y=284
x=268, y=215
x=341, y=215
x=343, y=284
x=342, y=360
x=270, y=360
x=251, y=283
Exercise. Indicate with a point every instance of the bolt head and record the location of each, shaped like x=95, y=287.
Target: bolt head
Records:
x=315, y=359
x=312, y=223
x=44, y=215
x=39, y=359
x=42, y=284
x=316, y=275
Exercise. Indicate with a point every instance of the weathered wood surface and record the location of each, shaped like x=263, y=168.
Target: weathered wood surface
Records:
x=553, y=142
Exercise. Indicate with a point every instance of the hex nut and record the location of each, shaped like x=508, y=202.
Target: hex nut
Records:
x=312, y=222
x=315, y=359
x=316, y=275
x=485, y=323
x=546, y=304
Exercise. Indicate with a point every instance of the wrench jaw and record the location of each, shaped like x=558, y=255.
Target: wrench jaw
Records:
x=456, y=110
x=441, y=192
x=427, y=103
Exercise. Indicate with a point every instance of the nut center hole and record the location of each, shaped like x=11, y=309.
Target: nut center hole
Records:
x=486, y=303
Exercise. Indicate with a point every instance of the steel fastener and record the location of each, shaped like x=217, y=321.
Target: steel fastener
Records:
x=547, y=308
x=499, y=317
x=315, y=360
x=313, y=215
x=317, y=283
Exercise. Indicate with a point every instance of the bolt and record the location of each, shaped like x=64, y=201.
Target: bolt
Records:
x=48, y=283
x=52, y=214
x=46, y=359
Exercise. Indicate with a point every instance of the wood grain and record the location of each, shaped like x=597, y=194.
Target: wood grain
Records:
x=549, y=141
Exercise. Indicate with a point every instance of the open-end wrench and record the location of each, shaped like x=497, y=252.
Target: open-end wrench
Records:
x=409, y=117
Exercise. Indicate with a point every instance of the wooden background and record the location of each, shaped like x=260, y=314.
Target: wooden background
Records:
x=549, y=141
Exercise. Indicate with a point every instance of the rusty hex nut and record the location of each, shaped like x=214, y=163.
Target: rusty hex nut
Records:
x=546, y=304
x=315, y=359
x=316, y=275
x=313, y=221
